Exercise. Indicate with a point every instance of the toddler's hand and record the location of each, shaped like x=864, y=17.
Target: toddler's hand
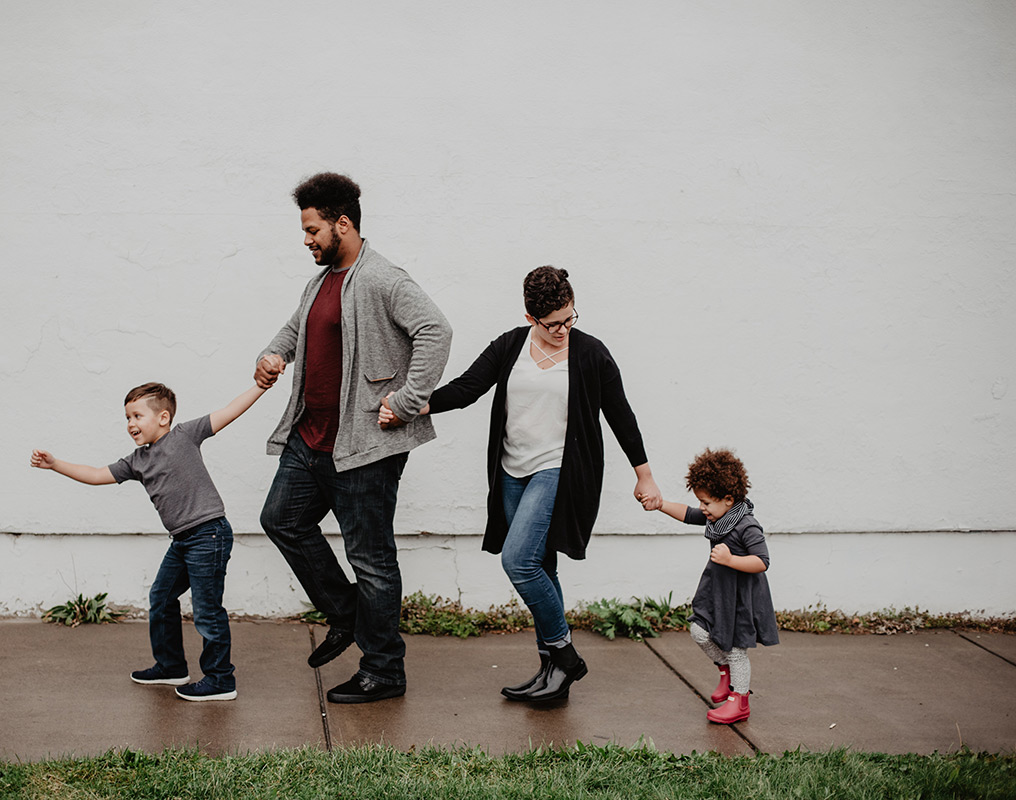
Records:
x=650, y=503
x=42, y=459
x=720, y=555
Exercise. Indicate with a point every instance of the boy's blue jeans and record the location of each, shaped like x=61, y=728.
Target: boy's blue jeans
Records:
x=306, y=487
x=197, y=563
x=528, y=506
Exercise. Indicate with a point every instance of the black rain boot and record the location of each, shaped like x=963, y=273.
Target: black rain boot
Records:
x=566, y=667
x=538, y=681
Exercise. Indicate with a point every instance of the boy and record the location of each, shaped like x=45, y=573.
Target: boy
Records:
x=168, y=464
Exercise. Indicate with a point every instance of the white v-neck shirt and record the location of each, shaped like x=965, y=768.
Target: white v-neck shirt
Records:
x=536, y=411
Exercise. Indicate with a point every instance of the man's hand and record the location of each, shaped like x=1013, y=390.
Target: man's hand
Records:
x=42, y=459
x=268, y=370
x=386, y=418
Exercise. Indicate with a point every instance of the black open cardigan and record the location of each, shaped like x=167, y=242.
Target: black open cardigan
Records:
x=594, y=383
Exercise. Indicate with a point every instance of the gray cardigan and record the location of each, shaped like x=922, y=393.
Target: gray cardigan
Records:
x=394, y=338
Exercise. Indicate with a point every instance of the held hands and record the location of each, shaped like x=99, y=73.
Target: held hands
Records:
x=386, y=418
x=721, y=555
x=268, y=370
x=42, y=459
x=648, y=494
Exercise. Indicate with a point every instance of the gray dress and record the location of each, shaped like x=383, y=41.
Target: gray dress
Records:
x=735, y=607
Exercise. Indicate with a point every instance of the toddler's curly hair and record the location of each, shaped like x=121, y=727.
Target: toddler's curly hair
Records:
x=720, y=474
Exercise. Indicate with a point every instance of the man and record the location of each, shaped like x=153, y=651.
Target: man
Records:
x=363, y=330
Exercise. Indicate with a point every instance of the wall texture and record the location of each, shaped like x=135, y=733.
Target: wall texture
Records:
x=791, y=222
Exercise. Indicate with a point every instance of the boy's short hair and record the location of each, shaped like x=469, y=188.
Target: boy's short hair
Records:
x=720, y=474
x=546, y=290
x=332, y=195
x=160, y=397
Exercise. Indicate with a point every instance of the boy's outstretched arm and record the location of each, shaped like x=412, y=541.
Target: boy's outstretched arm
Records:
x=93, y=476
x=221, y=418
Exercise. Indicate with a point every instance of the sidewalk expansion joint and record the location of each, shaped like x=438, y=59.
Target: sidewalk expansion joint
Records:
x=322, y=708
x=986, y=649
x=698, y=694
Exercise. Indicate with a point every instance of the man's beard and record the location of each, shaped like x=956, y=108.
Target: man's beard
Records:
x=330, y=254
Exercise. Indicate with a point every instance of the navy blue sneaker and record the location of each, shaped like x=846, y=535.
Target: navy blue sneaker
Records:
x=157, y=675
x=203, y=690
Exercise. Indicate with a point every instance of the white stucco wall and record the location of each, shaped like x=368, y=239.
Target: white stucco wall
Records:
x=791, y=222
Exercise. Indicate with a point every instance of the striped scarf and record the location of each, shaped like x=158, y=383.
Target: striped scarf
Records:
x=715, y=531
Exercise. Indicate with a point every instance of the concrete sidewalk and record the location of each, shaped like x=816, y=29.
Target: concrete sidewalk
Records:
x=68, y=692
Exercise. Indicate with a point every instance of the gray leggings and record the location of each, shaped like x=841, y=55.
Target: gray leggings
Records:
x=736, y=658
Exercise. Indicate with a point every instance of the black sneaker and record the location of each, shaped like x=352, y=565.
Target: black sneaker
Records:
x=157, y=675
x=361, y=689
x=333, y=646
x=203, y=690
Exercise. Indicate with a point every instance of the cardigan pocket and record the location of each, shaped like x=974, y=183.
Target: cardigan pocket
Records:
x=377, y=385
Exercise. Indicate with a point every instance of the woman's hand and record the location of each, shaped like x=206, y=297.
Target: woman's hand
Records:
x=646, y=490
x=386, y=418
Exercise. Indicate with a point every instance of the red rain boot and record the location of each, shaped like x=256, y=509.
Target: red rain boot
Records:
x=734, y=710
x=723, y=687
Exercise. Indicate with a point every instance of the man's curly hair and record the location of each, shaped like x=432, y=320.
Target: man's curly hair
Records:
x=545, y=290
x=720, y=474
x=332, y=195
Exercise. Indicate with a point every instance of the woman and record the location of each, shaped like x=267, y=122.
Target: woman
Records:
x=545, y=459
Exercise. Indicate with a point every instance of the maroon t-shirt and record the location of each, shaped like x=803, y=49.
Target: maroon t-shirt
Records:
x=322, y=382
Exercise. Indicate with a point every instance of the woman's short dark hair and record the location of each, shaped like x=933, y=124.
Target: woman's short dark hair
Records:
x=720, y=474
x=333, y=196
x=546, y=290
x=160, y=397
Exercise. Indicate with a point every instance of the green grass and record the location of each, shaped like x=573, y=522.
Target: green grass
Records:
x=579, y=772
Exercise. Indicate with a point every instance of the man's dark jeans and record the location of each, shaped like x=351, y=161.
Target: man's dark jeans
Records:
x=306, y=487
x=196, y=561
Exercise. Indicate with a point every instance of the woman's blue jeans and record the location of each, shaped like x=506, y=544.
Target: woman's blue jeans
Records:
x=528, y=505
x=197, y=563
x=306, y=487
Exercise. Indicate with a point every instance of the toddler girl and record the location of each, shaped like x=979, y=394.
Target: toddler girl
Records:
x=732, y=608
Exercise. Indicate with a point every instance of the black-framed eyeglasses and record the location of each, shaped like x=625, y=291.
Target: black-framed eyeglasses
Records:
x=554, y=327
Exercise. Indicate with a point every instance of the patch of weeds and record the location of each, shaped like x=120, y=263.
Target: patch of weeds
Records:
x=819, y=619
x=313, y=616
x=637, y=619
x=434, y=615
x=82, y=611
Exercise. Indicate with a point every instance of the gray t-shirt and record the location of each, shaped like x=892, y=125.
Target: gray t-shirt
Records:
x=174, y=475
